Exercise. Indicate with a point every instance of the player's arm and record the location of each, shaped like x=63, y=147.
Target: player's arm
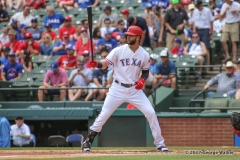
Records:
x=101, y=64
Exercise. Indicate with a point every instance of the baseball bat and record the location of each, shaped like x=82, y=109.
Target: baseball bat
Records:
x=89, y=12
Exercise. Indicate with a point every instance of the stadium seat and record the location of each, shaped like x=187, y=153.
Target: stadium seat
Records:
x=56, y=141
x=40, y=59
x=22, y=95
x=6, y=95
x=158, y=50
x=220, y=103
x=234, y=103
x=75, y=139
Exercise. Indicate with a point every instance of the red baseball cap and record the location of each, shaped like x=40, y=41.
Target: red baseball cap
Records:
x=65, y=34
x=125, y=11
x=28, y=35
x=134, y=31
x=68, y=18
x=83, y=30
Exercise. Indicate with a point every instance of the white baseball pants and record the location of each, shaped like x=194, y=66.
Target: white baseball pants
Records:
x=116, y=96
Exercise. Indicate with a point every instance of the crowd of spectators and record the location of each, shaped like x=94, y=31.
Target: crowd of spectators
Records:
x=183, y=27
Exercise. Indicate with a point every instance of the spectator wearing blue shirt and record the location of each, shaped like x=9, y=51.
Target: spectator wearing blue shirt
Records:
x=21, y=32
x=12, y=70
x=120, y=27
x=163, y=69
x=5, y=138
x=4, y=59
x=4, y=17
x=46, y=47
x=60, y=47
x=56, y=19
x=107, y=41
x=85, y=3
x=164, y=4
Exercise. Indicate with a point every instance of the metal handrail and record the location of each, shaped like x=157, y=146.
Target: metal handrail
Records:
x=53, y=88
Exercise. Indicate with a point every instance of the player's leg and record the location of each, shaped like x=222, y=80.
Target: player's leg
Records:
x=111, y=103
x=140, y=101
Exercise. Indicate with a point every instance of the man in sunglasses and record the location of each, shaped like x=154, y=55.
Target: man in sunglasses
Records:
x=79, y=78
x=69, y=61
x=227, y=82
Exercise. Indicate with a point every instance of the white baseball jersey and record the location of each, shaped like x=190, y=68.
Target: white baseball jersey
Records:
x=127, y=63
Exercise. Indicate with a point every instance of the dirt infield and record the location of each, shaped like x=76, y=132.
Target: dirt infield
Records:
x=38, y=154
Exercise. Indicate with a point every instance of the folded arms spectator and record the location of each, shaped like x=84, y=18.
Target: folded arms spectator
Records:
x=12, y=70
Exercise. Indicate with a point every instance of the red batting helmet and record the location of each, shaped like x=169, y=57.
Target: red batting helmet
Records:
x=134, y=31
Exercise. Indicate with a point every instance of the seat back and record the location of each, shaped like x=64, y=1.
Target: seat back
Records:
x=234, y=103
x=75, y=138
x=56, y=140
x=220, y=103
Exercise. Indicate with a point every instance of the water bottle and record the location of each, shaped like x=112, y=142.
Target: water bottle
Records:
x=180, y=53
x=103, y=80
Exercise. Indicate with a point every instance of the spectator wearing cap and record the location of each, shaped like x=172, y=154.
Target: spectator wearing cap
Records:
x=219, y=23
x=12, y=70
x=4, y=17
x=65, y=4
x=56, y=77
x=13, y=24
x=4, y=36
x=35, y=30
x=175, y=20
x=231, y=10
x=79, y=78
x=60, y=48
x=21, y=133
x=29, y=44
x=21, y=32
x=107, y=14
x=55, y=19
x=86, y=3
x=125, y=14
x=226, y=82
x=36, y=4
x=198, y=49
x=164, y=4
x=140, y=22
x=118, y=36
x=49, y=31
x=177, y=46
x=107, y=40
x=67, y=27
x=69, y=61
x=4, y=57
x=159, y=29
x=23, y=17
x=47, y=46
x=107, y=23
x=26, y=61
x=13, y=42
x=148, y=14
x=120, y=27
x=83, y=44
x=5, y=129
x=191, y=8
x=163, y=69
x=202, y=21
x=153, y=62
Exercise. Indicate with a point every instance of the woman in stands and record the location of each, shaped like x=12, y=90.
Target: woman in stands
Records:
x=198, y=49
x=96, y=35
x=47, y=46
x=26, y=61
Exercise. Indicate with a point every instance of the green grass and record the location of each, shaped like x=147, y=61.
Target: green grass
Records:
x=156, y=157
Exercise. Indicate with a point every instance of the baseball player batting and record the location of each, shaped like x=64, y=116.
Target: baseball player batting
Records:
x=128, y=61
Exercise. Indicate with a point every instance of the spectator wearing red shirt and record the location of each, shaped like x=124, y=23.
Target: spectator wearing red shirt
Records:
x=48, y=27
x=36, y=4
x=13, y=42
x=176, y=45
x=65, y=3
x=29, y=44
x=69, y=61
x=67, y=27
x=83, y=44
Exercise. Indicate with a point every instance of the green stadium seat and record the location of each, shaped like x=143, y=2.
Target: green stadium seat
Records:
x=40, y=59
x=22, y=95
x=234, y=103
x=220, y=103
x=54, y=58
x=158, y=50
x=45, y=66
x=5, y=95
x=219, y=96
x=148, y=49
